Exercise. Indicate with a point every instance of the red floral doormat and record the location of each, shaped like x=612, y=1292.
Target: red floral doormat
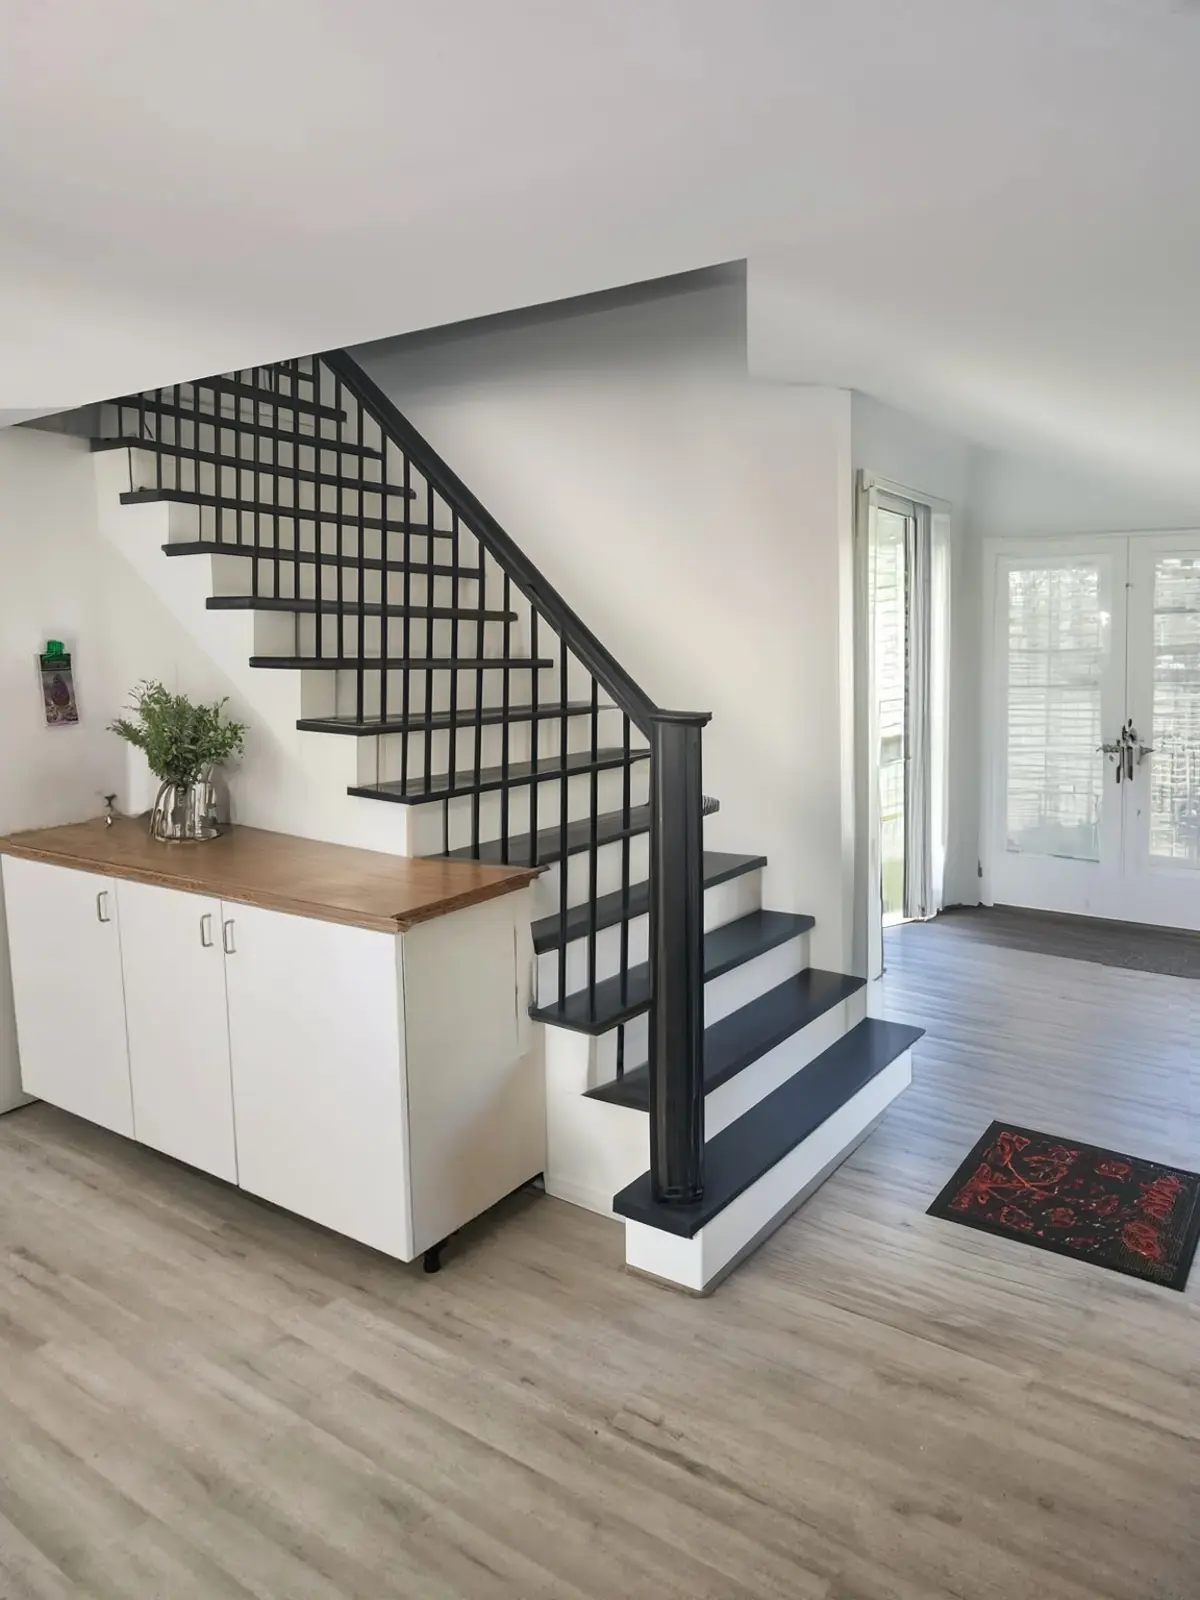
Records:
x=1133, y=1216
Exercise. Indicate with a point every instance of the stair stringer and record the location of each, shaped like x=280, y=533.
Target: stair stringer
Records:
x=289, y=781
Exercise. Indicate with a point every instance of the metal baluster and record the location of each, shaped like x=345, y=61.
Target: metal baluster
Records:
x=359, y=690
x=406, y=643
x=504, y=730
x=197, y=396
x=626, y=823
x=593, y=841
x=453, y=738
x=481, y=589
x=339, y=580
x=384, y=546
x=429, y=640
x=534, y=724
x=563, y=821
x=256, y=447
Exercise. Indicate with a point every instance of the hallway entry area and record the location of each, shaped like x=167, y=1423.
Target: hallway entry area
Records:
x=206, y=1397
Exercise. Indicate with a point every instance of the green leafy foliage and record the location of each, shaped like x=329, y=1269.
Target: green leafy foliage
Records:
x=180, y=740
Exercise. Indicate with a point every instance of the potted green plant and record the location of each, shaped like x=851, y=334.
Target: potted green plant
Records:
x=182, y=743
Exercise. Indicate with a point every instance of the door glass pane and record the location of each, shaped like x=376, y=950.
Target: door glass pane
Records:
x=1175, y=764
x=891, y=649
x=1059, y=638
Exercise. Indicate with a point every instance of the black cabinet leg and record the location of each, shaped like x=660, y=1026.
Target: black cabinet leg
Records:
x=433, y=1257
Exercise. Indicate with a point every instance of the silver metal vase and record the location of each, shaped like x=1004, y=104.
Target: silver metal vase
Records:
x=184, y=812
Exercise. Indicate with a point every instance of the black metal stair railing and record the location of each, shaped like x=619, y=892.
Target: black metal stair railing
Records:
x=308, y=467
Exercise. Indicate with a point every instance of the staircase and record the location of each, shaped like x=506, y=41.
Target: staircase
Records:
x=428, y=692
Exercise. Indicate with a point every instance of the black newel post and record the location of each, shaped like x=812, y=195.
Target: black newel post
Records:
x=677, y=958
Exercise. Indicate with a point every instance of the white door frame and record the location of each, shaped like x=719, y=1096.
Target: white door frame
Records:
x=868, y=918
x=1133, y=904
x=1159, y=890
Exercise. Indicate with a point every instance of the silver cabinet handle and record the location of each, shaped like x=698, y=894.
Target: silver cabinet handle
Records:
x=206, y=937
x=102, y=907
x=227, y=938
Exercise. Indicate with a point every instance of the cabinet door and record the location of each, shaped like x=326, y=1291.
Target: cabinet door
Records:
x=318, y=1089
x=65, y=952
x=178, y=1025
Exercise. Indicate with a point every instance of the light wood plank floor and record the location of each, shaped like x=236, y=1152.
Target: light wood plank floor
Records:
x=202, y=1397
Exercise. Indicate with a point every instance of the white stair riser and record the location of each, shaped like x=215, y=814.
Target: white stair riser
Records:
x=724, y=902
x=275, y=484
x=733, y=1099
x=316, y=636
x=265, y=481
x=698, y=1264
x=722, y=996
x=609, y=874
x=595, y=1149
x=735, y=989
x=309, y=581
x=384, y=754
x=381, y=757
x=338, y=689
x=428, y=823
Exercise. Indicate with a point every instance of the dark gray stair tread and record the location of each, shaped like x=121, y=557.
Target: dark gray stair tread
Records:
x=180, y=453
x=617, y=999
x=524, y=851
x=263, y=397
x=159, y=408
x=250, y=508
x=446, y=785
x=739, y=1039
x=352, y=608
x=325, y=558
x=463, y=718
x=749, y=1147
x=615, y=908
x=397, y=663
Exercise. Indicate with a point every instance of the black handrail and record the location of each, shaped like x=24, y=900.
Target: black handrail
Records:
x=533, y=584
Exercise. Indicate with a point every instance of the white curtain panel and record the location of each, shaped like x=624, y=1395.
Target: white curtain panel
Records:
x=918, y=852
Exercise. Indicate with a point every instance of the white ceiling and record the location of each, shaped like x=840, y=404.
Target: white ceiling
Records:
x=985, y=210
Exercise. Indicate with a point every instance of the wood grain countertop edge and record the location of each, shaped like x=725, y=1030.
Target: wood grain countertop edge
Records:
x=171, y=877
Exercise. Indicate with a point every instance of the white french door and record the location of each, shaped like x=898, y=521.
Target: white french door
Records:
x=1093, y=799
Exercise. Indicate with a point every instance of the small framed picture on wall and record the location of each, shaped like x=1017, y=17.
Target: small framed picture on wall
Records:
x=58, y=686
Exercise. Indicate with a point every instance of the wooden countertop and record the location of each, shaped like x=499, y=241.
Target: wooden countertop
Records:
x=331, y=882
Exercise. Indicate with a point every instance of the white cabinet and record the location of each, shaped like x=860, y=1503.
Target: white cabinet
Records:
x=382, y=1084
x=65, y=952
x=178, y=1025
x=316, y=1037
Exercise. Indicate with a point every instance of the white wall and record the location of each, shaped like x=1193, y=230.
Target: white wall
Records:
x=50, y=577
x=932, y=462
x=700, y=523
x=60, y=579
x=1015, y=496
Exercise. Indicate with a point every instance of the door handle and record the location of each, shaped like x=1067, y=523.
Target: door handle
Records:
x=102, y=907
x=206, y=934
x=227, y=938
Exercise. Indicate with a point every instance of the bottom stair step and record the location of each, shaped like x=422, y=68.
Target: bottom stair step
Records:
x=748, y=1148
